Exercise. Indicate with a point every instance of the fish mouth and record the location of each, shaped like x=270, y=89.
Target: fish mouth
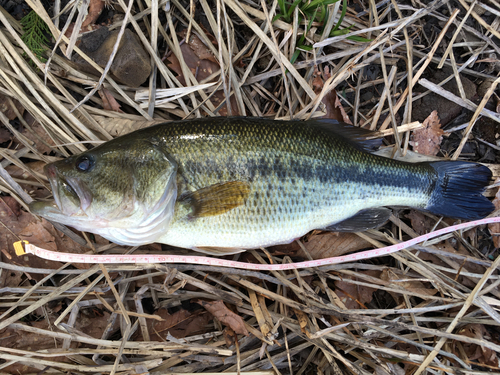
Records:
x=70, y=194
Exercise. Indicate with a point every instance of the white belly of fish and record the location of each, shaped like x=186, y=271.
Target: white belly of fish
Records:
x=236, y=230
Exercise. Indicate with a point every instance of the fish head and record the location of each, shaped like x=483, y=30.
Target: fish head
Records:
x=115, y=190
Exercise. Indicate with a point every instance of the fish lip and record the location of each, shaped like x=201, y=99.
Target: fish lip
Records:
x=55, y=178
x=83, y=194
x=52, y=175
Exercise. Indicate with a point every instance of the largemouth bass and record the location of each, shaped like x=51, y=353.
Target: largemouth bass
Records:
x=222, y=185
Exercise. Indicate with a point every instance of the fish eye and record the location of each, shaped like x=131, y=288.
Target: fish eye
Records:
x=84, y=164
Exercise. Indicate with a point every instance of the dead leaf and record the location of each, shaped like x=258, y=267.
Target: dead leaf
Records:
x=229, y=336
x=317, y=81
x=109, y=102
x=179, y=324
x=420, y=223
x=7, y=109
x=87, y=28
x=14, y=222
x=199, y=48
x=16, y=172
x=427, y=140
x=405, y=282
x=224, y=315
x=202, y=63
x=5, y=134
x=93, y=322
x=19, y=224
x=94, y=11
x=93, y=325
x=476, y=352
x=30, y=341
x=117, y=126
x=37, y=134
x=303, y=321
x=355, y=296
x=332, y=244
x=334, y=109
x=495, y=227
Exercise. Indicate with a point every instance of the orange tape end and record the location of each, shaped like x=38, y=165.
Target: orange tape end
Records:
x=18, y=247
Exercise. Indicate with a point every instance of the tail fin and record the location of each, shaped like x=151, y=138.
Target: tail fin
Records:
x=458, y=191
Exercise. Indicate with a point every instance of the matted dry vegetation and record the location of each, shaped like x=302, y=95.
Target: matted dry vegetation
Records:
x=430, y=309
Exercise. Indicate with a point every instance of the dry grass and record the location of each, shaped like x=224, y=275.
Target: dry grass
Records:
x=299, y=322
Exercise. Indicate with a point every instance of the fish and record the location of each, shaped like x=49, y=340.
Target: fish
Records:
x=225, y=185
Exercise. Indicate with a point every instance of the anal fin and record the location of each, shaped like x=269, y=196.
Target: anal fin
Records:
x=365, y=219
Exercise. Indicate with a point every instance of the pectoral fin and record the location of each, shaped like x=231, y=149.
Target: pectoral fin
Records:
x=363, y=220
x=217, y=199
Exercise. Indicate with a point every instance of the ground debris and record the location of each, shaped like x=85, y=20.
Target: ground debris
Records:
x=384, y=315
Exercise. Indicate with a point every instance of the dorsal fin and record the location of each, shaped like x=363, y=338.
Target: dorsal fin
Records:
x=362, y=139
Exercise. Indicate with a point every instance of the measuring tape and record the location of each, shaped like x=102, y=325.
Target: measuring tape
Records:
x=193, y=259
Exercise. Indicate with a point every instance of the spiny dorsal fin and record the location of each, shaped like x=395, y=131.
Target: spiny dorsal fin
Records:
x=217, y=199
x=362, y=139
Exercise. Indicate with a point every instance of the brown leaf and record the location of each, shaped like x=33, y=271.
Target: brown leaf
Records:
x=303, y=321
x=94, y=11
x=22, y=174
x=229, y=336
x=15, y=221
x=7, y=109
x=16, y=172
x=30, y=341
x=226, y=316
x=201, y=68
x=200, y=60
x=420, y=223
x=37, y=235
x=355, y=296
x=199, y=48
x=121, y=126
x=179, y=324
x=334, y=109
x=476, y=352
x=93, y=322
x=410, y=285
x=332, y=244
x=495, y=227
x=338, y=107
x=109, y=102
x=92, y=325
x=87, y=28
x=317, y=81
x=19, y=224
x=427, y=140
x=5, y=134
x=37, y=134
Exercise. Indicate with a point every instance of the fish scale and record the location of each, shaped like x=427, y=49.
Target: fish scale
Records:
x=326, y=188
x=220, y=185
